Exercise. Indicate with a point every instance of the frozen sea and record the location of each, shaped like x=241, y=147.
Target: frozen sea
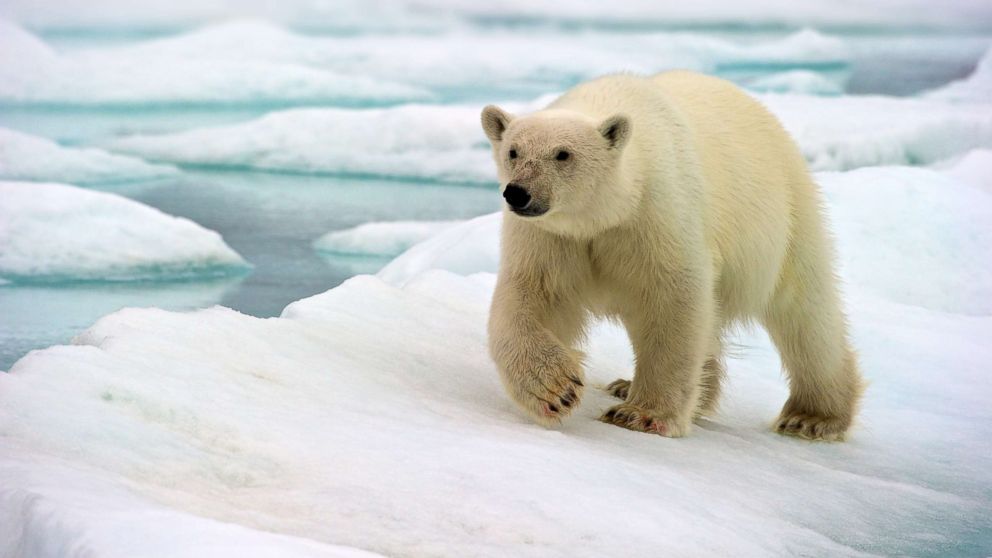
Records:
x=274, y=154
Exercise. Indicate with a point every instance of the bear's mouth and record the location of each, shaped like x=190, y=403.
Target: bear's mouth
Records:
x=532, y=210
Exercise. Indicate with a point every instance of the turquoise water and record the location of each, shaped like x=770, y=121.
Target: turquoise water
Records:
x=272, y=219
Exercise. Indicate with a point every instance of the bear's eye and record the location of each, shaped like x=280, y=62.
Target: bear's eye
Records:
x=513, y=153
x=562, y=156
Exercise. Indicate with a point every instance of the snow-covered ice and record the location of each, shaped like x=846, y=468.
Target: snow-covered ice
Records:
x=442, y=143
x=976, y=88
x=371, y=417
x=841, y=133
x=446, y=143
x=27, y=157
x=795, y=81
x=32, y=73
x=466, y=248
x=257, y=62
x=56, y=232
x=974, y=167
x=389, y=238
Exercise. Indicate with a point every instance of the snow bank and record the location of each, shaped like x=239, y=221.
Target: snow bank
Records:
x=469, y=247
x=380, y=239
x=53, y=232
x=446, y=143
x=841, y=133
x=974, y=168
x=31, y=73
x=912, y=236
x=28, y=157
x=370, y=416
x=975, y=88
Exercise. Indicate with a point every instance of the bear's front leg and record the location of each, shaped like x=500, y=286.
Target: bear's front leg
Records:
x=669, y=337
x=527, y=340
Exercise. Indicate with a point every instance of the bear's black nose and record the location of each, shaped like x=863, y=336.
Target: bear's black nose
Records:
x=517, y=197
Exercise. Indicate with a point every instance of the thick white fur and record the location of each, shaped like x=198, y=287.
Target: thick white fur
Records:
x=682, y=208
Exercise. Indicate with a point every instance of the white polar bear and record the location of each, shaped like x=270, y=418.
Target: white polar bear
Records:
x=678, y=205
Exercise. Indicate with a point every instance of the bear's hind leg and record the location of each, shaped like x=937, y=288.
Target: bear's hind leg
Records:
x=805, y=320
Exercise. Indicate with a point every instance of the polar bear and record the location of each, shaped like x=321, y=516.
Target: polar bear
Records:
x=679, y=206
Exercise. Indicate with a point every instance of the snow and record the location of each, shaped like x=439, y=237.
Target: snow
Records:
x=930, y=240
x=974, y=168
x=54, y=232
x=469, y=247
x=258, y=62
x=795, y=81
x=380, y=239
x=343, y=423
x=841, y=133
x=446, y=143
x=27, y=157
x=443, y=143
x=977, y=87
x=32, y=73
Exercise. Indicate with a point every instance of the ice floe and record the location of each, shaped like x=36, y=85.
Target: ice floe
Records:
x=389, y=238
x=261, y=63
x=446, y=143
x=56, y=232
x=371, y=417
x=27, y=157
x=32, y=73
x=977, y=87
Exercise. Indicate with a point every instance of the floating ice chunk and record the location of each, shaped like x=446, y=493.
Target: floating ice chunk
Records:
x=371, y=416
x=976, y=88
x=974, y=168
x=841, y=133
x=446, y=143
x=54, y=232
x=914, y=236
x=28, y=157
x=253, y=61
x=33, y=74
x=380, y=239
x=443, y=143
x=470, y=247
x=795, y=81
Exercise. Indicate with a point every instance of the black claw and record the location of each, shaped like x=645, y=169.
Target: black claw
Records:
x=566, y=402
x=610, y=414
x=576, y=380
x=553, y=407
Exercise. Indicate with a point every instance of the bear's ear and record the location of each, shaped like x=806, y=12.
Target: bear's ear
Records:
x=494, y=122
x=616, y=130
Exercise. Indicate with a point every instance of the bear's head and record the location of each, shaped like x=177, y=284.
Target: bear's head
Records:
x=562, y=170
